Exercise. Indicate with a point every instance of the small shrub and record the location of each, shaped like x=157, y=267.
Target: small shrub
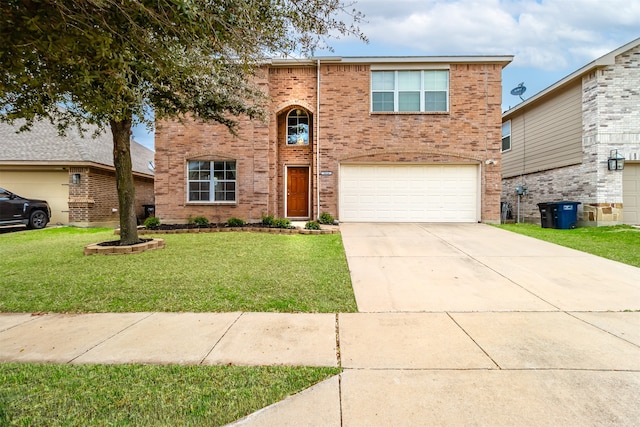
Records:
x=325, y=218
x=312, y=225
x=235, y=222
x=267, y=220
x=201, y=221
x=281, y=223
x=152, y=222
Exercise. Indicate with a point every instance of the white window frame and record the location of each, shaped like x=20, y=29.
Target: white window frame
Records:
x=508, y=135
x=212, y=181
x=422, y=90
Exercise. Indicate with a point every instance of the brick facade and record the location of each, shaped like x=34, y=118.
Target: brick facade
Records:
x=342, y=129
x=93, y=199
x=610, y=120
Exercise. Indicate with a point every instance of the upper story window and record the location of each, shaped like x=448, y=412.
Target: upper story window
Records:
x=297, y=127
x=211, y=181
x=506, y=136
x=410, y=91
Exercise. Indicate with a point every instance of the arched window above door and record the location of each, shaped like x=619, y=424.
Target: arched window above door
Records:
x=297, y=127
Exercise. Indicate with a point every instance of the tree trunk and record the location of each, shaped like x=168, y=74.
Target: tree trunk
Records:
x=121, y=131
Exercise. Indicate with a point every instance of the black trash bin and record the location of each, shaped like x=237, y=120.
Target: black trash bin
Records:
x=149, y=211
x=567, y=215
x=547, y=215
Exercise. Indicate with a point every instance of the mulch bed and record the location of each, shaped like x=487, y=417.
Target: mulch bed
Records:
x=258, y=227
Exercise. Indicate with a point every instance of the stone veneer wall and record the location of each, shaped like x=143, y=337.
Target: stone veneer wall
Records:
x=610, y=120
x=572, y=183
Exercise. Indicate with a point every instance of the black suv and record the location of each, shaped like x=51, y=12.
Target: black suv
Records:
x=16, y=210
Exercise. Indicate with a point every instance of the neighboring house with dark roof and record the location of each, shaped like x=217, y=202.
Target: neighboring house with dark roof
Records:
x=74, y=173
x=558, y=143
x=385, y=139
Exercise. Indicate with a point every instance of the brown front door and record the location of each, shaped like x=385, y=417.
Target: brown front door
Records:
x=298, y=192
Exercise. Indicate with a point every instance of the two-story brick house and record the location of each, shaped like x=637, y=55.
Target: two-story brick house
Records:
x=401, y=139
x=557, y=143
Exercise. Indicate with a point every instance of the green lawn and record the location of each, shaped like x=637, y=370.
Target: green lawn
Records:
x=619, y=243
x=136, y=395
x=45, y=270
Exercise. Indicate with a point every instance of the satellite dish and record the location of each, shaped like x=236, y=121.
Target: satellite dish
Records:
x=519, y=90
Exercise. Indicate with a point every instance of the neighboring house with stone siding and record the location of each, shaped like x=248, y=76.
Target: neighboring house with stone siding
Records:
x=74, y=174
x=402, y=139
x=557, y=143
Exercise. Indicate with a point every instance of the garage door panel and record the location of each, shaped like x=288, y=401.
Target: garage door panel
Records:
x=52, y=186
x=409, y=193
x=631, y=193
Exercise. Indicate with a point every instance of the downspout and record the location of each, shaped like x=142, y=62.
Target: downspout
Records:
x=318, y=140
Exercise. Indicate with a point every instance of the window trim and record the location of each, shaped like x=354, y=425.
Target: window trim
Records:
x=422, y=90
x=212, y=181
x=502, y=149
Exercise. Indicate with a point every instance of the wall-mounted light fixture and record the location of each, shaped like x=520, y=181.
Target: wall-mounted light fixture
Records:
x=75, y=178
x=615, y=161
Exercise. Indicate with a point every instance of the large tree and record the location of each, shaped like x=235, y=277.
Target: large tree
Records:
x=110, y=62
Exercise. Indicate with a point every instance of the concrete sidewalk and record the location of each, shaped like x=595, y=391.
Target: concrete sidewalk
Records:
x=491, y=368
x=440, y=341
x=459, y=325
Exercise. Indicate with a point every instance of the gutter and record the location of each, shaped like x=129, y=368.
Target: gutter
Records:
x=503, y=60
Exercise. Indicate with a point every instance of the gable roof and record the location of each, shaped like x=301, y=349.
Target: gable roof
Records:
x=43, y=145
x=603, y=61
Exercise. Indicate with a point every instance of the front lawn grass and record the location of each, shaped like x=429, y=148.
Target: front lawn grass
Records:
x=137, y=395
x=46, y=271
x=619, y=243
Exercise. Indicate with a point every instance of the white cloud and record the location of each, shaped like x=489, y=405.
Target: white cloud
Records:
x=546, y=34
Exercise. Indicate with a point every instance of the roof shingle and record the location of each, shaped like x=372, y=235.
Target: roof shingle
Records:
x=43, y=144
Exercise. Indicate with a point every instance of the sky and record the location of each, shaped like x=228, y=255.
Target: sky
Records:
x=549, y=39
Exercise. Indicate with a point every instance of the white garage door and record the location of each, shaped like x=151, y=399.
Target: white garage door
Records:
x=409, y=193
x=631, y=193
x=52, y=186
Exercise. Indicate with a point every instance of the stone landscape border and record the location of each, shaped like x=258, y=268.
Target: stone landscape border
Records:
x=240, y=229
x=98, y=249
x=157, y=243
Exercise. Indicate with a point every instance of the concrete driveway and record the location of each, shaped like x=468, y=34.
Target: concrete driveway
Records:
x=477, y=267
x=467, y=324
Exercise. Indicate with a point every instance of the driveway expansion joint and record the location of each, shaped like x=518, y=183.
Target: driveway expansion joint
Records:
x=338, y=356
x=474, y=341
